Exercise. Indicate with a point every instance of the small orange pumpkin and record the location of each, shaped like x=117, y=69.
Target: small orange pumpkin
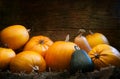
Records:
x=96, y=38
x=27, y=61
x=38, y=44
x=104, y=55
x=58, y=55
x=6, y=55
x=14, y=36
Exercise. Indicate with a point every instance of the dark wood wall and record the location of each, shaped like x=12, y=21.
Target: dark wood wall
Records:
x=57, y=18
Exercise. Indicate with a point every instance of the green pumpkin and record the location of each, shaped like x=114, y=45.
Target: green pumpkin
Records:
x=80, y=61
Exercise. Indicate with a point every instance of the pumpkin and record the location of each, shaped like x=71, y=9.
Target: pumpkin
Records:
x=104, y=55
x=82, y=42
x=6, y=55
x=27, y=62
x=80, y=61
x=14, y=36
x=96, y=38
x=38, y=44
x=58, y=55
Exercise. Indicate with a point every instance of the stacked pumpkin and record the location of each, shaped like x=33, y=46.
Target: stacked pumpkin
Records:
x=99, y=50
x=30, y=58
x=40, y=53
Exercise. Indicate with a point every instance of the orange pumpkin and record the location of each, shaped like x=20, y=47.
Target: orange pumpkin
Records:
x=27, y=61
x=5, y=57
x=58, y=55
x=96, y=38
x=14, y=36
x=38, y=44
x=104, y=55
x=82, y=42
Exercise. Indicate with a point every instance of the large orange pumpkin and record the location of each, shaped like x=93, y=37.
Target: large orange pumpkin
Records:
x=104, y=55
x=5, y=57
x=58, y=55
x=96, y=38
x=28, y=61
x=38, y=44
x=14, y=36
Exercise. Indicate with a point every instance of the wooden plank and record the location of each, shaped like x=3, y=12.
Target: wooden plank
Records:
x=58, y=18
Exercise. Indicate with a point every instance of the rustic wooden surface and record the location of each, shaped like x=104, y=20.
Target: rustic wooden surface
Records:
x=57, y=18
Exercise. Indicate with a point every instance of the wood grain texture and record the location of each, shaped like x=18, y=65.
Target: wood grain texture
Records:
x=57, y=18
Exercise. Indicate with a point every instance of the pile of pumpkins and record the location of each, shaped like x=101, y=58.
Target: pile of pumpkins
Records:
x=39, y=53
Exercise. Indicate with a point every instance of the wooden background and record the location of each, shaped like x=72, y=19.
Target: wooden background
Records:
x=57, y=18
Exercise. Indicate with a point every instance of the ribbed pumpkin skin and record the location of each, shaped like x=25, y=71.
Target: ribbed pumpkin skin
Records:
x=6, y=55
x=58, y=55
x=14, y=36
x=26, y=60
x=96, y=38
x=38, y=44
x=104, y=55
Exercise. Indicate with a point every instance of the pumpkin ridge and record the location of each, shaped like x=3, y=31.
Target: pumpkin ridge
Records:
x=103, y=59
x=103, y=63
x=96, y=64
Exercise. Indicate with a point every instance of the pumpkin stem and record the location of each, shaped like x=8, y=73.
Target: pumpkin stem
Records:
x=35, y=69
x=67, y=38
x=81, y=31
x=97, y=56
x=49, y=69
x=5, y=45
x=76, y=48
x=90, y=32
x=28, y=30
x=41, y=41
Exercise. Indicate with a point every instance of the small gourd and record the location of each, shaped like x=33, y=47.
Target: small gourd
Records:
x=82, y=42
x=80, y=61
